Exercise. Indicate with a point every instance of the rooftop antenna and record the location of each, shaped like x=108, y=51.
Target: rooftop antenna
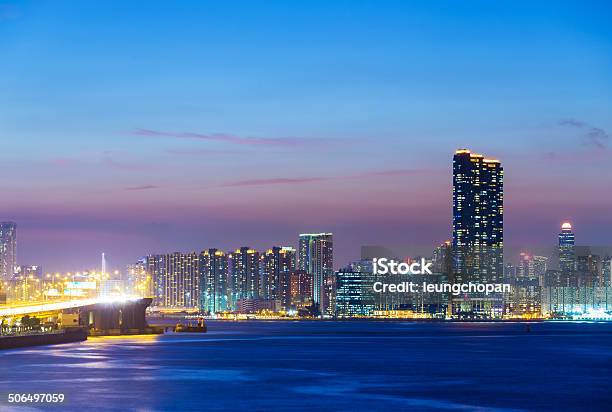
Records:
x=103, y=264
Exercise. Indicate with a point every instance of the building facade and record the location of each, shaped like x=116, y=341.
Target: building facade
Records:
x=567, y=252
x=245, y=274
x=316, y=257
x=215, y=293
x=8, y=250
x=277, y=265
x=354, y=293
x=478, y=231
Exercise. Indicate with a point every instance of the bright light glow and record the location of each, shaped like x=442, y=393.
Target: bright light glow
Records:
x=592, y=314
x=566, y=225
x=57, y=306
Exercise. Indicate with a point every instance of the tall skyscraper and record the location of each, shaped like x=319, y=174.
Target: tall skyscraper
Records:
x=8, y=250
x=157, y=269
x=245, y=279
x=278, y=263
x=316, y=257
x=567, y=251
x=215, y=296
x=175, y=280
x=478, y=228
x=182, y=281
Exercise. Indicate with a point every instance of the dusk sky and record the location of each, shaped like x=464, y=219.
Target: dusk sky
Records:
x=158, y=126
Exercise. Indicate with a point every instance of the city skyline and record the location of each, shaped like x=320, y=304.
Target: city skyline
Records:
x=256, y=124
x=320, y=205
x=407, y=250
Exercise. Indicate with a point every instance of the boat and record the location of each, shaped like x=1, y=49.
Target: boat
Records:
x=199, y=327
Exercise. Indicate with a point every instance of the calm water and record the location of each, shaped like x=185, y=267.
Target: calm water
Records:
x=328, y=366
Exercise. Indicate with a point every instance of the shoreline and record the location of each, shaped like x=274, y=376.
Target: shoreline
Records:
x=55, y=338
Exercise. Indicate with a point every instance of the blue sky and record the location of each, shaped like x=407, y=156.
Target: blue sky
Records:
x=124, y=122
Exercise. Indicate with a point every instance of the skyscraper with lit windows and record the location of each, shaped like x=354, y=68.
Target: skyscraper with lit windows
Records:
x=478, y=229
x=245, y=273
x=316, y=257
x=182, y=281
x=567, y=252
x=8, y=250
x=278, y=263
x=215, y=296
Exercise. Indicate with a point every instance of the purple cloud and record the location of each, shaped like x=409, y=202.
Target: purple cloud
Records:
x=298, y=180
x=203, y=152
x=275, y=181
x=592, y=137
x=395, y=172
x=233, y=139
x=138, y=188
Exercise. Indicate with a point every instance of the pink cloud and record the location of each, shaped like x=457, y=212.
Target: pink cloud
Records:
x=274, y=181
x=233, y=139
x=591, y=136
x=398, y=172
x=298, y=180
x=138, y=188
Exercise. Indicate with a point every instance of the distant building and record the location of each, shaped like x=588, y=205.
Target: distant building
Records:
x=175, y=278
x=277, y=265
x=540, y=266
x=591, y=268
x=525, y=298
x=156, y=268
x=354, y=293
x=215, y=293
x=478, y=231
x=250, y=305
x=245, y=274
x=300, y=289
x=573, y=300
x=34, y=271
x=316, y=256
x=8, y=249
x=136, y=279
x=182, y=285
x=567, y=253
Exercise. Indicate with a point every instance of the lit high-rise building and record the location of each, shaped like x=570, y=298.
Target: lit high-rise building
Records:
x=354, y=292
x=137, y=281
x=316, y=257
x=567, y=252
x=175, y=279
x=182, y=285
x=215, y=293
x=526, y=268
x=245, y=274
x=300, y=289
x=524, y=300
x=8, y=250
x=478, y=229
x=157, y=269
x=278, y=263
x=540, y=266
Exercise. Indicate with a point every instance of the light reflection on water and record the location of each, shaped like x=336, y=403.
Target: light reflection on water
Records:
x=328, y=365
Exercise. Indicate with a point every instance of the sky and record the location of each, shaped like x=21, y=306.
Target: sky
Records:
x=152, y=126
